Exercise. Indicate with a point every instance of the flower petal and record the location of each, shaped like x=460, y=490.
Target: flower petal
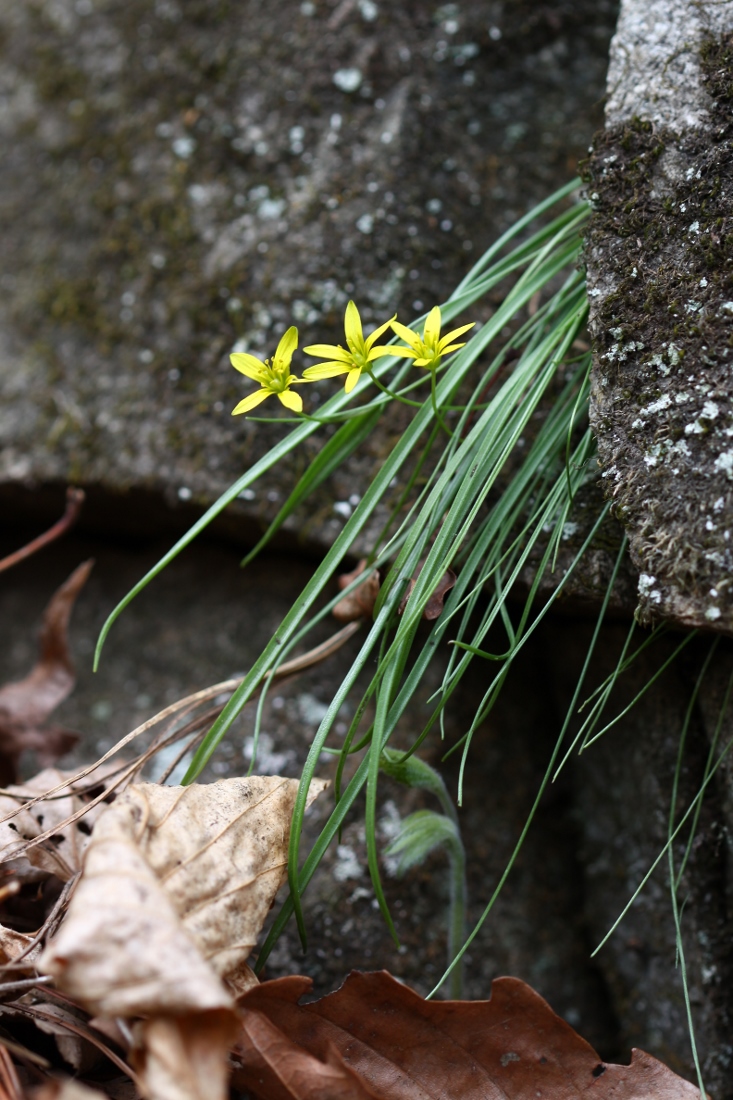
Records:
x=406, y=334
x=431, y=332
x=381, y=350
x=291, y=400
x=453, y=347
x=249, y=365
x=352, y=328
x=286, y=347
x=378, y=332
x=400, y=352
x=251, y=402
x=329, y=351
x=456, y=332
x=352, y=378
x=325, y=370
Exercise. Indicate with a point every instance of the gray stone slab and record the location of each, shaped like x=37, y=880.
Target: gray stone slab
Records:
x=182, y=178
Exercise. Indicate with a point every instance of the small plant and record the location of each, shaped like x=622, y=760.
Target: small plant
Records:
x=480, y=488
x=424, y=831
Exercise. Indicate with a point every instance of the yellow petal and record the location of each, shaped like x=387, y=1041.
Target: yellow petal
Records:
x=351, y=380
x=352, y=327
x=380, y=351
x=249, y=365
x=399, y=352
x=452, y=335
x=378, y=331
x=291, y=400
x=431, y=332
x=406, y=334
x=251, y=402
x=329, y=351
x=453, y=347
x=325, y=370
x=287, y=346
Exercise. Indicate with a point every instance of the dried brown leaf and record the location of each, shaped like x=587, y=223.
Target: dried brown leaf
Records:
x=61, y=855
x=177, y=882
x=284, y=1071
x=434, y=606
x=512, y=1047
x=359, y=604
x=27, y=704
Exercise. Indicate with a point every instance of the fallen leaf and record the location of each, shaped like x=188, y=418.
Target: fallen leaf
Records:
x=358, y=604
x=511, y=1047
x=26, y=704
x=13, y=944
x=284, y=1071
x=434, y=606
x=62, y=854
x=176, y=884
x=185, y=1058
x=67, y=1090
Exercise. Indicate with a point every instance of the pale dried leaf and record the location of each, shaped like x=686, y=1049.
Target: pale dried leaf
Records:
x=62, y=855
x=14, y=943
x=358, y=604
x=67, y=1090
x=184, y=1057
x=177, y=882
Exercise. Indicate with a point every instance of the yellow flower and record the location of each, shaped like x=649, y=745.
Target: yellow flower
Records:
x=350, y=361
x=273, y=375
x=428, y=350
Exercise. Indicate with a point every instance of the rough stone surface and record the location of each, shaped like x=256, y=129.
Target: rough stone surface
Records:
x=659, y=257
x=181, y=178
x=623, y=792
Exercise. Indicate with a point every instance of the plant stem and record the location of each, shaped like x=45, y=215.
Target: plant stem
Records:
x=457, y=914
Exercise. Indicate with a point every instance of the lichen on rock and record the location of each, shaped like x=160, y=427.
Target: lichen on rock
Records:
x=660, y=266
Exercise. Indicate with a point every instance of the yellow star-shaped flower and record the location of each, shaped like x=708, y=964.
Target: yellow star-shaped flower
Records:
x=353, y=359
x=428, y=350
x=273, y=375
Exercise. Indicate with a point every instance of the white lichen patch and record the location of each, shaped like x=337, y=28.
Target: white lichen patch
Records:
x=647, y=590
x=724, y=464
x=661, y=403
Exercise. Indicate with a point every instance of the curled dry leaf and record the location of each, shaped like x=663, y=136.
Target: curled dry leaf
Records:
x=62, y=854
x=434, y=606
x=512, y=1047
x=177, y=882
x=358, y=604
x=26, y=705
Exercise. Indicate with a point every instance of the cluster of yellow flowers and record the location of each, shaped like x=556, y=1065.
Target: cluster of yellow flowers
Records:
x=274, y=377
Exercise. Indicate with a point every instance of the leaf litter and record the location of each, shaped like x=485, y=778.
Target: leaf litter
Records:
x=148, y=901
x=25, y=706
